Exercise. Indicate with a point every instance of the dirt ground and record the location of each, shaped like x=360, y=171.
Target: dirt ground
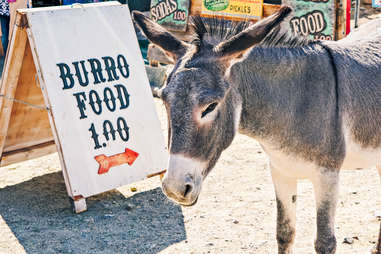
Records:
x=367, y=13
x=235, y=213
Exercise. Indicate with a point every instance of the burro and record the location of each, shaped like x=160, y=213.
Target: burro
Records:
x=102, y=70
x=314, y=107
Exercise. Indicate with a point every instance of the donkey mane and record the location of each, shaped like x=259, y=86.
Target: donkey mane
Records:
x=213, y=30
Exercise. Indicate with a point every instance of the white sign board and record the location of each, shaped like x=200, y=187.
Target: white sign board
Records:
x=93, y=78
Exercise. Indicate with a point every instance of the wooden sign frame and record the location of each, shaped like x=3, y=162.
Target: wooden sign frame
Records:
x=24, y=121
x=27, y=126
x=25, y=109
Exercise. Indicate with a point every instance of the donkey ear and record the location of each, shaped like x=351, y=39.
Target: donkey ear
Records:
x=159, y=36
x=252, y=35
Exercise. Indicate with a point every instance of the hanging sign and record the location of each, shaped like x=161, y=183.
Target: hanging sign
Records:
x=172, y=14
x=313, y=18
x=236, y=9
x=92, y=76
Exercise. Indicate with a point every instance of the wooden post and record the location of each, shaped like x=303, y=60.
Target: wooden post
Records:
x=10, y=77
x=79, y=204
x=357, y=13
x=341, y=6
x=13, y=6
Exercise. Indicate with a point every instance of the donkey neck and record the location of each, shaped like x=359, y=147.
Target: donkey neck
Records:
x=288, y=96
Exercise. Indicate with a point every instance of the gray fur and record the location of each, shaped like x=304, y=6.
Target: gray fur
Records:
x=285, y=231
x=178, y=95
x=289, y=96
x=297, y=94
x=326, y=241
x=359, y=78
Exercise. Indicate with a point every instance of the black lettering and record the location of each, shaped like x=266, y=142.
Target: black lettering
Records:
x=94, y=136
x=110, y=68
x=109, y=97
x=96, y=69
x=78, y=73
x=122, y=64
x=81, y=103
x=94, y=99
x=122, y=127
x=66, y=76
x=123, y=96
x=111, y=130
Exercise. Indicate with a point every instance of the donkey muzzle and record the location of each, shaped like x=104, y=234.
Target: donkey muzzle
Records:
x=182, y=181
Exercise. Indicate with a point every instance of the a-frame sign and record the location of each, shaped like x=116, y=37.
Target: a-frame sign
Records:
x=74, y=82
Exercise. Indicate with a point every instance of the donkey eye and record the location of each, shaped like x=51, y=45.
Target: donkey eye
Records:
x=209, y=109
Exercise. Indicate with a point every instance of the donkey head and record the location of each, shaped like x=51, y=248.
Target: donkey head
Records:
x=203, y=107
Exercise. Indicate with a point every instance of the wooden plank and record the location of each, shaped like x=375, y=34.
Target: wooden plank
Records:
x=195, y=7
x=341, y=6
x=27, y=153
x=13, y=6
x=29, y=124
x=79, y=205
x=37, y=65
x=9, y=81
x=269, y=9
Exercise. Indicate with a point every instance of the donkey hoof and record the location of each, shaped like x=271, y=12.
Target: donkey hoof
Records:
x=375, y=251
x=326, y=246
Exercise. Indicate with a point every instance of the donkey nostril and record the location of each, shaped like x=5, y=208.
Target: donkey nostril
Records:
x=188, y=189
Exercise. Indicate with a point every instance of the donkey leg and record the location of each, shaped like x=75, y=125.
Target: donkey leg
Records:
x=326, y=187
x=377, y=248
x=285, y=190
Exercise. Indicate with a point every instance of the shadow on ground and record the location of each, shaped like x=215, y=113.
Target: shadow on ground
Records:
x=39, y=214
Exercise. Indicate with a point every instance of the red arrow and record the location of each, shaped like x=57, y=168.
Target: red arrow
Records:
x=105, y=163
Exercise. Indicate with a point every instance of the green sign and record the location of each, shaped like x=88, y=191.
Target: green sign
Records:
x=216, y=5
x=315, y=19
x=172, y=14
